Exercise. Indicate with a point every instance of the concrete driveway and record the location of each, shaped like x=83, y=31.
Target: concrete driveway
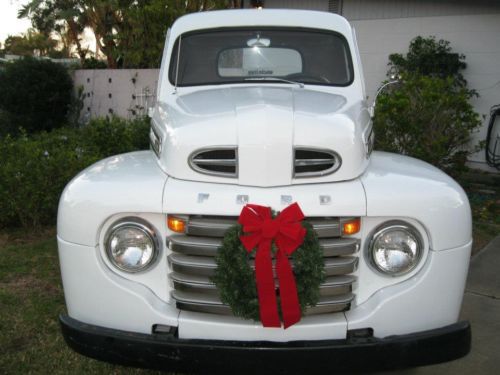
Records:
x=481, y=306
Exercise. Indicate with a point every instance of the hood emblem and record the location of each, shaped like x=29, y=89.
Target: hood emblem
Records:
x=241, y=199
x=325, y=200
x=202, y=197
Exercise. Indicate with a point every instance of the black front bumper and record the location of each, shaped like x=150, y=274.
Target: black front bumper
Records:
x=168, y=352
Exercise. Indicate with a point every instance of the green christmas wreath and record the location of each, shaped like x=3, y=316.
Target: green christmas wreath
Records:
x=235, y=278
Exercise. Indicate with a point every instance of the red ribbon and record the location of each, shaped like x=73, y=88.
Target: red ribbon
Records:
x=288, y=234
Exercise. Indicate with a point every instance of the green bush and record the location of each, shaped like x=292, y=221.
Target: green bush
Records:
x=35, y=168
x=34, y=95
x=425, y=117
x=428, y=115
x=111, y=136
x=429, y=57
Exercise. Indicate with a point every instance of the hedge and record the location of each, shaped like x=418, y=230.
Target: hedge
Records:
x=35, y=168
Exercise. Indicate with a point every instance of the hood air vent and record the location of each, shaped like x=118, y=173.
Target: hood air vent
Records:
x=222, y=161
x=315, y=163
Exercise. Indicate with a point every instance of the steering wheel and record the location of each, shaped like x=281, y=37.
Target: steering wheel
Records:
x=307, y=77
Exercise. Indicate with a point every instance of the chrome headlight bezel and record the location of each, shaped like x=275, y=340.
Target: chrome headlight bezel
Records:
x=138, y=224
x=383, y=229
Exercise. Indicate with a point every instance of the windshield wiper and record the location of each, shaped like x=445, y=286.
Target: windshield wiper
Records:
x=276, y=79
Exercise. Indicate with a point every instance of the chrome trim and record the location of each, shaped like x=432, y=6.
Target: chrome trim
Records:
x=325, y=227
x=143, y=226
x=192, y=264
x=332, y=286
x=339, y=246
x=221, y=162
x=217, y=226
x=191, y=245
x=208, y=246
x=209, y=226
x=340, y=265
x=206, y=266
x=388, y=226
x=204, y=303
x=336, y=159
x=156, y=142
x=369, y=142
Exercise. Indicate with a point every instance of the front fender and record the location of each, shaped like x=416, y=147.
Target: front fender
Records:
x=400, y=186
x=130, y=182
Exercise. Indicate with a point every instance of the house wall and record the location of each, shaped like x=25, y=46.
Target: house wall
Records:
x=122, y=92
x=476, y=36
x=382, y=27
x=387, y=26
x=386, y=9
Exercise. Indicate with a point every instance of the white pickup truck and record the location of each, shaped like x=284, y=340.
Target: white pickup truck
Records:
x=263, y=107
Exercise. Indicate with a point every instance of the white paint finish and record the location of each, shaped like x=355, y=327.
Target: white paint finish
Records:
x=130, y=182
x=97, y=89
x=181, y=197
x=264, y=122
x=259, y=18
x=431, y=299
x=401, y=186
x=369, y=280
x=216, y=327
x=375, y=9
x=476, y=36
x=94, y=295
x=154, y=277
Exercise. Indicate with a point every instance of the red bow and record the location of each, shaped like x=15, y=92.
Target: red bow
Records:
x=288, y=234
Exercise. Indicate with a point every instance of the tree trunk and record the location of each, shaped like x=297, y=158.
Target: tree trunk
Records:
x=73, y=32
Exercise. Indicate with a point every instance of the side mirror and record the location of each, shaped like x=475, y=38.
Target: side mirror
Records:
x=394, y=79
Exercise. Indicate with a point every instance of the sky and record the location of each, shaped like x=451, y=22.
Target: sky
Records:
x=9, y=24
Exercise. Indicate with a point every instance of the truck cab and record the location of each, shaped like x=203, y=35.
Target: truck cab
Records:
x=263, y=107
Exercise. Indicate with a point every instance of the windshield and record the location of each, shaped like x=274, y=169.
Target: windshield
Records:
x=235, y=55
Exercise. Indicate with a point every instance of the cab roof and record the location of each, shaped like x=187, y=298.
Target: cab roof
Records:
x=261, y=17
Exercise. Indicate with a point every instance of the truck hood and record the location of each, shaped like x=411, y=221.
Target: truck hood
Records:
x=264, y=124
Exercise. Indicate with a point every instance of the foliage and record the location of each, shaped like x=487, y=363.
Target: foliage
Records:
x=427, y=118
x=130, y=33
x=31, y=44
x=35, y=169
x=93, y=63
x=63, y=17
x=428, y=114
x=112, y=136
x=35, y=95
x=33, y=173
x=142, y=33
x=429, y=57
x=235, y=279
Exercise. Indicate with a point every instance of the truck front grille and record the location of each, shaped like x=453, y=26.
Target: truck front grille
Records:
x=192, y=264
x=315, y=163
x=222, y=162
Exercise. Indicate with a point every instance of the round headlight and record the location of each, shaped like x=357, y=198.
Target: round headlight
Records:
x=396, y=248
x=131, y=245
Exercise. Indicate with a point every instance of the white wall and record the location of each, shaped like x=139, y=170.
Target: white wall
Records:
x=125, y=93
x=476, y=36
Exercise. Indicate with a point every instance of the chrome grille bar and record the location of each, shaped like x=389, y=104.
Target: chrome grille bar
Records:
x=192, y=262
x=217, y=226
x=202, y=302
x=207, y=246
x=206, y=265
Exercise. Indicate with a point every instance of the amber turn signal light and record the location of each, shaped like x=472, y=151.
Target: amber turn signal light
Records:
x=351, y=226
x=176, y=224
